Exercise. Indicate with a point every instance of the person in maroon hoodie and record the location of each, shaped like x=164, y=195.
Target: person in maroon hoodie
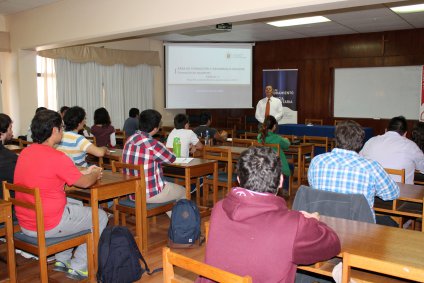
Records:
x=252, y=232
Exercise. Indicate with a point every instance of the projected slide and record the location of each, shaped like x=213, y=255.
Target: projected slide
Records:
x=208, y=76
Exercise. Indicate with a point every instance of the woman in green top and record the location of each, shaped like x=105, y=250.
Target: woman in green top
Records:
x=268, y=131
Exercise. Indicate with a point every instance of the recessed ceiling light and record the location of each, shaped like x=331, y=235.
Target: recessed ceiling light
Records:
x=299, y=21
x=408, y=9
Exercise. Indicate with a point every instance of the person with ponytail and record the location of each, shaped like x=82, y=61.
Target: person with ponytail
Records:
x=267, y=135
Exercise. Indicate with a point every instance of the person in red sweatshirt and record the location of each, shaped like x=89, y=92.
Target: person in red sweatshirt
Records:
x=252, y=232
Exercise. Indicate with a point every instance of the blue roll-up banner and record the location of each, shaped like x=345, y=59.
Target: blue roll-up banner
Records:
x=284, y=83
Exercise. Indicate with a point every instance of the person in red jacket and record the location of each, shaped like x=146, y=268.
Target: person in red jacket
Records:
x=252, y=232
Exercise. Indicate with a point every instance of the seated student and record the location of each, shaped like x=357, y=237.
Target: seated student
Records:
x=189, y=140
x=63, y=110
x=252, y=232
x=343, y=170
x=29, y=134
x=417, y=136
x=75, y=145
x=42, y=166
x=131, y=124
x=268, y=135
x=394, y=150
x=7, y=157
x=205, y=125
x=142, y=148
x=102, y=128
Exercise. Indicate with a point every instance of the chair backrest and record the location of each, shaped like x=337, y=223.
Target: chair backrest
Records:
x=171, y=259
x=24, y=143
x=243, y=142
x=120, y=166
x=347, y=206
x=223, y=155
x=250, y=135
x=92, y=139
x=36, y=206
x=319, y=142
x=378, y=266
x=398, y=172
x=336, y=122
x=291, y=138
x=313, y=121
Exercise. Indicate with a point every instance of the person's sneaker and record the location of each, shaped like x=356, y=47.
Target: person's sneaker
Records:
x=77, y=274
x=62, y=266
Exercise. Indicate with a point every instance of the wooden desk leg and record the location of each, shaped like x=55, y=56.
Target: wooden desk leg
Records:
x=187, y=183
x=141, y=242
x=11, y=262
x=215, y=182
x=95, y=219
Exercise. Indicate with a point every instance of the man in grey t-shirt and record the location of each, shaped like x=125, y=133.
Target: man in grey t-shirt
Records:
x=131, y=124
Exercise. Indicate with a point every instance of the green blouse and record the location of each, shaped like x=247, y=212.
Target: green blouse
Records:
x=284, y=144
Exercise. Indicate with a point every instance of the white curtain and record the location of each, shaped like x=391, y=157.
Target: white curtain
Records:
x=117, y=88
x=46, y=83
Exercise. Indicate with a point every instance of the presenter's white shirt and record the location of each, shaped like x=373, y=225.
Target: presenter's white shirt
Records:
x=187, y=137
x=275, y=109
x=394, y=151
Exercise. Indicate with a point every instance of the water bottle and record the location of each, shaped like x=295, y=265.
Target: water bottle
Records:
x=207, y=138
x=177, y=147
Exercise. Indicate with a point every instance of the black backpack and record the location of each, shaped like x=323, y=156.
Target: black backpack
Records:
x=119, y=257
x=184, y=230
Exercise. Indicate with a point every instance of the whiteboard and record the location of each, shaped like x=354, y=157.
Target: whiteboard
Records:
x=380, y=92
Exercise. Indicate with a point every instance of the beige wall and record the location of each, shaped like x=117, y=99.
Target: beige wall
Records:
x=71, y=22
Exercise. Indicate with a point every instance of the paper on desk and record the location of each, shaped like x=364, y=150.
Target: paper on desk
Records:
x=183, y=160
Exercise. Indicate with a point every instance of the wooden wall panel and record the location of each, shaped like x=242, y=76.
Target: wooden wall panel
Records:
x=316, y=59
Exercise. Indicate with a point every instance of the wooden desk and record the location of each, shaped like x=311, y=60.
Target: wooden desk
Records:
x=410, y=203
x=196, y=168
x=111, y=185
x=235, y=150
x=6, y=217
x=400, y=251
x=13, y=147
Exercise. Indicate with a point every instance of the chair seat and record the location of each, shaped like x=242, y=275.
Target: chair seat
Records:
x=49, y=241
x=223, y=177
x=149, y=206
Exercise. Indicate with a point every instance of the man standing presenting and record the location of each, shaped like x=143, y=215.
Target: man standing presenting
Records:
x=269, y=105
x=393, y=150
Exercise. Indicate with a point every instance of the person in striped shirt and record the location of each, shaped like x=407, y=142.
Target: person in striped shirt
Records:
x=75, y=145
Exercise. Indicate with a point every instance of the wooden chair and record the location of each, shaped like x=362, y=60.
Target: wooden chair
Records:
x=398, y=172
x=336, y=122
x=250, y=123
x=243, y=142
x=378, y=266
x=235, y=123
x=291, y=138
x=24, y=143
x=314, y=121
x=39, y=245
x=171, y=259
x=225, y=179
x=250, y=135
x=120, y=135
x=318, y=142
x=124, y=206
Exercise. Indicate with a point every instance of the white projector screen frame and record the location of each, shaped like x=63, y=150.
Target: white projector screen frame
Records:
x=380, y=92
x=208, y=75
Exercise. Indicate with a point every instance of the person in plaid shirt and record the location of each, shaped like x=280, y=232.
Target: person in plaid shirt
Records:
x=142, y=148
x=343, y=170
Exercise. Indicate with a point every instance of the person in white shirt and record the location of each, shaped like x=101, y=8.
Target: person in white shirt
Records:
x=189, y=140
x=275, y=107
x=394, y=150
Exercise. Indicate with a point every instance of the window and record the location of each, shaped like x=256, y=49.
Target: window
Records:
x=46, y=83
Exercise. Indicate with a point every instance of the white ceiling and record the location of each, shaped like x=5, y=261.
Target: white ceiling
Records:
x=373, y=18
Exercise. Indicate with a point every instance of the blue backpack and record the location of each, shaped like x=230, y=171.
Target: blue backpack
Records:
x=119, y=257
x=184, y=230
